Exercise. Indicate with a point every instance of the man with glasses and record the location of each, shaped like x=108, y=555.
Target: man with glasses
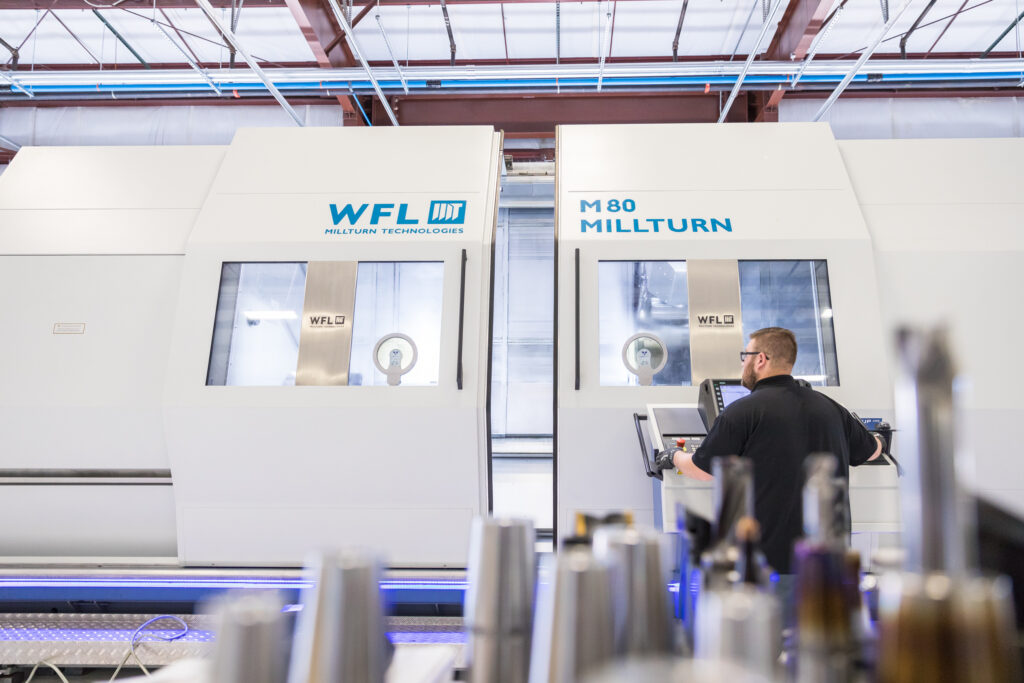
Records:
x=777, y=426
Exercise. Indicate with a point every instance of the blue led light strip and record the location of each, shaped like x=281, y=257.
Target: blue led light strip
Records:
x=391, y=584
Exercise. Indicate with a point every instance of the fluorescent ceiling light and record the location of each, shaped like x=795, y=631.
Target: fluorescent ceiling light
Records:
x=271, y=315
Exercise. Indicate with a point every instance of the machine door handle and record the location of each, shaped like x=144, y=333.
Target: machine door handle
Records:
x=462, y=318
x=577, y=319
x=651, y=472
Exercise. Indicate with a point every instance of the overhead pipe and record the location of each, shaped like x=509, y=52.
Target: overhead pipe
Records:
x=191, y=62
x=394, y=60
x=350, y=36
x=750, y=60
x=448, y=27
x=766, y=74
x=913, y=27
x=864, y=57
x=233, y=40
x=15, y=84
x=7, y=143
x=679, y=30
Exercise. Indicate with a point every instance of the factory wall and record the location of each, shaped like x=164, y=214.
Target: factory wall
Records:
x=142, y=125
x=881, y=118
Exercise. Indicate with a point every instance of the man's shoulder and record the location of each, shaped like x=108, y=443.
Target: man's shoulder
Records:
x=741, y=407
x=814, y=395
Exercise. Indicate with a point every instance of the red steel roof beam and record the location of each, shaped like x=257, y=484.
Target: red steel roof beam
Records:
x=800, y=23
x=319, y=28
x=127, y=4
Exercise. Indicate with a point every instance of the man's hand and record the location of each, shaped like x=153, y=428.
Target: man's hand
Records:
x=666, y=459
x=884, y=432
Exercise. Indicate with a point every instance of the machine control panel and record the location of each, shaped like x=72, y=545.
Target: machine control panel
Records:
x=688, y=442
x=715, y=395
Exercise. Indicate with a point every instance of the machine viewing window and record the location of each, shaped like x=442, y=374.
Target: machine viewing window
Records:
x=400, y=298
x=644, y=297
x=256, y=332
x=794, y=295
x=258, y=324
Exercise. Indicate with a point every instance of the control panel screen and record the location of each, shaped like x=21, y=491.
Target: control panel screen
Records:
x=731, y=392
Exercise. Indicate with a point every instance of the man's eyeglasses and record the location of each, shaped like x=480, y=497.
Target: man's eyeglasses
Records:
x=744, y=354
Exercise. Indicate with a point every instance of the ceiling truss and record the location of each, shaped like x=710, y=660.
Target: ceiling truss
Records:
x=790, y=65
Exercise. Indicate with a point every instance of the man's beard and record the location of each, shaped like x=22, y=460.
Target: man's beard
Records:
x=749, y=379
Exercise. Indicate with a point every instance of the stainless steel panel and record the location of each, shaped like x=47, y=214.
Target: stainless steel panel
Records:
x=252, y=638
x=643, y=624
x=325, y=342
x=340, y=634
x=716, y=323
x=499, y=599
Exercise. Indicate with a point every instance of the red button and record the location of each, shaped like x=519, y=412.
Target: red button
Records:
x=680, y=443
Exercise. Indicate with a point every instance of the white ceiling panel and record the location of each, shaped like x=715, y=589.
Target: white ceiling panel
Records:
x=272, y=34
x=717, y=28
x=531, y=30
x=203, y=39
x=972, y=31
x=582, y=23
x=48, y=44
x=477, y=31
x=268, y=33
x=977, y=29
x=642, y=28
x=645, y=28
x=143, y=36
x=416, y=32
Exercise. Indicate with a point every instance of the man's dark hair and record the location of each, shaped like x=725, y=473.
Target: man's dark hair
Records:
x=778, y=343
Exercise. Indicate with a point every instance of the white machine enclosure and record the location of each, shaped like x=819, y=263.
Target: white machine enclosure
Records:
x=111, y=270
x=945, y=223
x=92, y=241
x=264, y=474
x=785, y=194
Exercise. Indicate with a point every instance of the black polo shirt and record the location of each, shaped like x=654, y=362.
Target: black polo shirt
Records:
x=777, y=426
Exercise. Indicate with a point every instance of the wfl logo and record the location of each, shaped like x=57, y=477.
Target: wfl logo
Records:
x=326, y=321
x=714, y=320
x=447, y=213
